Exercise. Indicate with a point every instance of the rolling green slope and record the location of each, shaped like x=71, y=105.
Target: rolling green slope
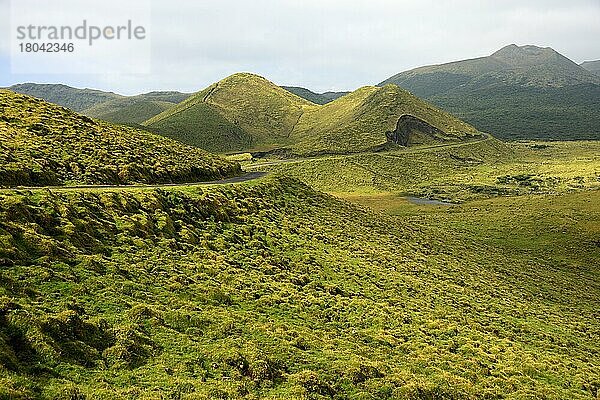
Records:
x=133, y=110
x=272, y=290
x=245, y=112
x=516, y=93
x=525, y=113
x=111, y=107
x=44, y=144
x=128, y=112
x=203, y=126
x=168, y=96
x=66, y=96
x=259, y=107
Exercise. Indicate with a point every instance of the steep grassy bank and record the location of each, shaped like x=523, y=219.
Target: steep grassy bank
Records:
x=272, y=290
x=360, y=121
x=44, y=144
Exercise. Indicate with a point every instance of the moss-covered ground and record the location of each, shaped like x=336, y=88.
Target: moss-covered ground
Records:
x=270, y=289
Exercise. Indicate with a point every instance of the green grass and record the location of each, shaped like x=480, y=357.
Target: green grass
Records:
x=472, y=171
x=43, y=144
x=245, y=112
x=272, y=290
x=133, y=110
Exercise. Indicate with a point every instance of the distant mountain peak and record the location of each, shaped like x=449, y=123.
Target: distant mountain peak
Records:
x=517, y=92
x=528, y=55
x=507, y=51
x=530, y=49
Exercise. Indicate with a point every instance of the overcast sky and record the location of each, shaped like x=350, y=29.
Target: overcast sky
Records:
x=330, y=44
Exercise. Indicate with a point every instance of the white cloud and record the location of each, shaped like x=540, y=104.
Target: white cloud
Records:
x=335, y=44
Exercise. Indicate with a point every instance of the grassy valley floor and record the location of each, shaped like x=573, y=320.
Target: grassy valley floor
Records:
x=270, y=289
x=461, y=172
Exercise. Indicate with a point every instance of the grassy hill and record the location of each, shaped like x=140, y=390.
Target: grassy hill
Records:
x=592, y=66
x=45, y=144
x=360, y=121
x=245, y=112
x=317, y=98
x=516, y=93
x=108, y=106
x=241, y=112
x=66, y=96
x=133, y=110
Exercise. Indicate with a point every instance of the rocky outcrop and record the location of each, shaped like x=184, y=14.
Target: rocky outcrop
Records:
x=409, y=124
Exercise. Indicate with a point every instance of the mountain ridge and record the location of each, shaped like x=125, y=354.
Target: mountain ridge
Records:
x=511, y=57
x=131, y=110
x=317, y=98
x=76, y=99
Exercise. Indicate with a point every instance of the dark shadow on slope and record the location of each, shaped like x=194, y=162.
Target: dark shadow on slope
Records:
x=411, y=130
